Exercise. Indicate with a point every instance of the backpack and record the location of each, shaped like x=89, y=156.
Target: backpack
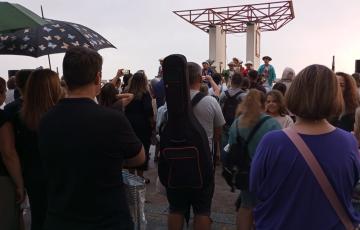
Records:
x=230, y=105
x=185, y=160
x=196, y=99
x=236, y=167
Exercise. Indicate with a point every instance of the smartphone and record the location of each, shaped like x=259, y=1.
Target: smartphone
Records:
x=126, y=71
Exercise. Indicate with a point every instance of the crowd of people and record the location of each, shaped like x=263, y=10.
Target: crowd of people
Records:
x=64, y=143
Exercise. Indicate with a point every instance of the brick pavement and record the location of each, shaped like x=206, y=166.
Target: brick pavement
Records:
x=156, y=207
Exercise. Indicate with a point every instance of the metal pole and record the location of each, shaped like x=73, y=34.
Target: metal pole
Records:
x=42, y=15
x=333, y=64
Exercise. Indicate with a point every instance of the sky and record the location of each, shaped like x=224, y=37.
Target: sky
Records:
x=145, y=30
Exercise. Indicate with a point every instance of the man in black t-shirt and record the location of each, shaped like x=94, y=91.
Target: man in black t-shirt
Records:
x=84, y=147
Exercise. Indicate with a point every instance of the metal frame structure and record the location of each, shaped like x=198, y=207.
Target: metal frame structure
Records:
x=234, y=19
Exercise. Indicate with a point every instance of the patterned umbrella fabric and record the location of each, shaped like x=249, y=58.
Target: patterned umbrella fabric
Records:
x=51, y=38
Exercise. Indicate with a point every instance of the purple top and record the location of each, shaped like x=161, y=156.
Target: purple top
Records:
x=289, y=195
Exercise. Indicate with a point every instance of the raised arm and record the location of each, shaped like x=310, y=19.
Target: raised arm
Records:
x=214, y=86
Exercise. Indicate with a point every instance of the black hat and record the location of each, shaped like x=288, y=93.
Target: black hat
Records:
x=267, y=57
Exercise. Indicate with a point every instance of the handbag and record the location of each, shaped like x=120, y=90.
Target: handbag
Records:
x=320, y=177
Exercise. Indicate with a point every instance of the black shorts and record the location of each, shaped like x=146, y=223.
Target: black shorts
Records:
x=180, y=200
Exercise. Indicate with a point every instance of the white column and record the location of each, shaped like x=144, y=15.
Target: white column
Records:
x=253, y=44
x=217, y=47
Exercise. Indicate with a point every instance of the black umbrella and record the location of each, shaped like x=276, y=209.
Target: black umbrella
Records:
x=51, y=38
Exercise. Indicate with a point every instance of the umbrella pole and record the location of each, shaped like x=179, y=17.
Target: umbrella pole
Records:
x=49, y=61
x=42, y=15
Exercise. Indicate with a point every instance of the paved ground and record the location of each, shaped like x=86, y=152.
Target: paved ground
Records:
x=156, y=206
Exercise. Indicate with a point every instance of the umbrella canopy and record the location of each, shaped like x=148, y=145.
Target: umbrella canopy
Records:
x=15, y=16
x=53, y=37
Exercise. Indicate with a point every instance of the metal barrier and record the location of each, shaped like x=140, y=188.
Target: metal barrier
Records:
x=135, y=191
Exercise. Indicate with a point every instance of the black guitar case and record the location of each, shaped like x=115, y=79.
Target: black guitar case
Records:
x=185, y=160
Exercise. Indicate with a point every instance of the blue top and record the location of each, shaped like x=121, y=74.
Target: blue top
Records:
x=208, y=71
x=268, y=125
x=159, y=91
x=272, y=74
x=289, y=195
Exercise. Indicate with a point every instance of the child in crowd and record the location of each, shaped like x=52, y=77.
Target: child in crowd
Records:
x=275, y=107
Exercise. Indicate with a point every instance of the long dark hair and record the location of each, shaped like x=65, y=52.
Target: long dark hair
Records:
x=350, y=93
x=138, y=85
x=42, y=92
x=107, y=96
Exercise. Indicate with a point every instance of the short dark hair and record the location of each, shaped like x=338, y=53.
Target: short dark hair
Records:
x=245, y=83
x=253, y=74
x=281, y=87
x=315, y=94
x=11, y=84
x=2, y=85
x=194, y=71
x=236, y=80
x=21, y=78
x=80, y=66
x=217, y=78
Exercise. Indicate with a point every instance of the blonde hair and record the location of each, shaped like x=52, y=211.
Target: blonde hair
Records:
x=251, y=108
x=357, y=125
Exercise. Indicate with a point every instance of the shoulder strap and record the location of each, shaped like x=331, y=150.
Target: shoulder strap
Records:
x=320, y=176
x=238, y=93
x=197, y=98
x=233, y=96
x=227, y=93
x=257, y=126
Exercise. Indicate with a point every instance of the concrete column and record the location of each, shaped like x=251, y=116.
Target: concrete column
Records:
x=217, y=47
x=253, y=44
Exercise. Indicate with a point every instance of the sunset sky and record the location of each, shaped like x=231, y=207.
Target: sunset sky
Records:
x=145, y=30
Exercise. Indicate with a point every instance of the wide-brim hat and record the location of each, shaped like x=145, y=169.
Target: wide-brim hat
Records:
x=238, y=60
x=249, y=63
x=267, y=57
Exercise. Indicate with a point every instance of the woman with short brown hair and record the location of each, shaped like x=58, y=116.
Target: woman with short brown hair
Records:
x=290, y=196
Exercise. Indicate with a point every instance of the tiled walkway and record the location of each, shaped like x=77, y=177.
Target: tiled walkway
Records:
x=156, y=207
